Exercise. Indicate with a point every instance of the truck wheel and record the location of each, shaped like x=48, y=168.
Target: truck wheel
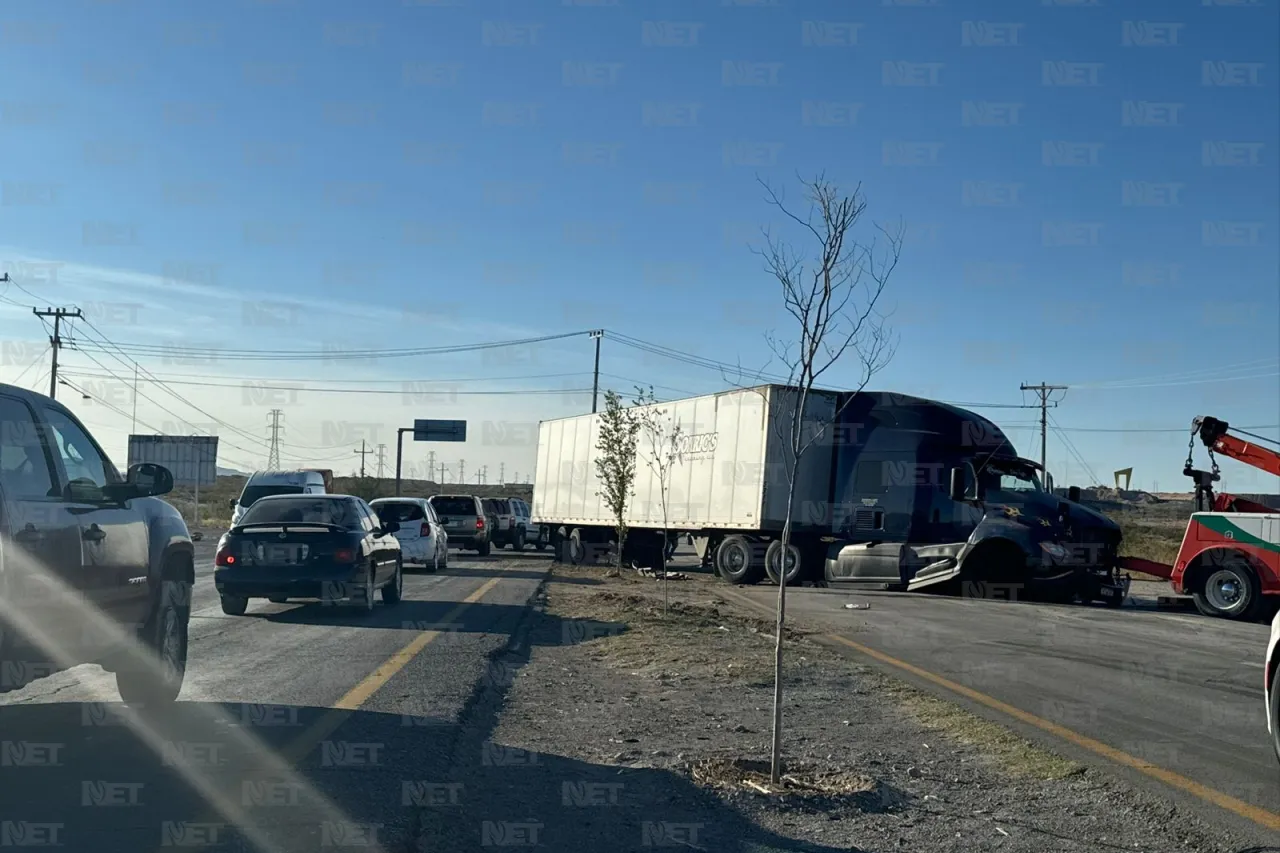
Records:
x=517, y=544
x=736, y=560
x=157, y=681
x=394, y=590
x=483, y=550
x=1274, y=710
x=1229, y=591
x=773, y=560
x=234, y=605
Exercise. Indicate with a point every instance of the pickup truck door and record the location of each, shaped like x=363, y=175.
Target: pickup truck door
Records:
x=40, y=552
x=114, y=541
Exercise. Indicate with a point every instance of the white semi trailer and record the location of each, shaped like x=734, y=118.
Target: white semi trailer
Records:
x=727, y=487
x=898, y=492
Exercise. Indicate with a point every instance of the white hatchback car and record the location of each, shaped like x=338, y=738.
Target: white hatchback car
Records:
x=423, y=540
x=1271, y=684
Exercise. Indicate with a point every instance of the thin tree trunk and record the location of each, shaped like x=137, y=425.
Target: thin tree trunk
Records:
x=775, y=758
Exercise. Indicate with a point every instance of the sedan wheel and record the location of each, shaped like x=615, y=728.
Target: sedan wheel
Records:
x=362, y=597
x=394, y=591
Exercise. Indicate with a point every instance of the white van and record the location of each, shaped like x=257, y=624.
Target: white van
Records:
x=263, y=483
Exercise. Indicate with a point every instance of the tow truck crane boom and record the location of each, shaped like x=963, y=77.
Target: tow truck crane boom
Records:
x=1216, y=436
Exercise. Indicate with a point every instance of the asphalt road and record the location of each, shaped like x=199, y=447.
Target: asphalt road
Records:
x=303, y=728
x=1174, y=690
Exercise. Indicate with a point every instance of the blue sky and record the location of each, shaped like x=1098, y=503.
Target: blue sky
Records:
x=1089, y=193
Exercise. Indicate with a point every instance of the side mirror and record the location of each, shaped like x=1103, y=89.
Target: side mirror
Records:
x=144, y=480
x=957, y=484
x=231, y=504
x=1073, y=494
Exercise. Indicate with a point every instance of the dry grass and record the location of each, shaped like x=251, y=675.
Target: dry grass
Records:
x=800, y=779
x=1016, y=755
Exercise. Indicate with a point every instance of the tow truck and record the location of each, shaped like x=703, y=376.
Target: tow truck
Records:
x=1229, y=561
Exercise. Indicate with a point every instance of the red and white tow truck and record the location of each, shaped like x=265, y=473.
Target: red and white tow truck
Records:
x=1230, y=555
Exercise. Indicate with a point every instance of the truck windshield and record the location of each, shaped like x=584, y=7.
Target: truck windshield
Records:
x=1008, y=476
x=251, y=493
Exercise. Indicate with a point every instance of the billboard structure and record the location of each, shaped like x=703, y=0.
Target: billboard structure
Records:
x=192, y=459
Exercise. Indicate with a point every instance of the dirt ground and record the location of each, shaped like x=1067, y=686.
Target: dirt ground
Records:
x=873, y=764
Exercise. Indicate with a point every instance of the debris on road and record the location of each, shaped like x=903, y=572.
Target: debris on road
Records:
x=658, y=574
x=858, y=605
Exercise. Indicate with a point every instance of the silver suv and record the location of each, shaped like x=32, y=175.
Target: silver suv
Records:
x=464, y=521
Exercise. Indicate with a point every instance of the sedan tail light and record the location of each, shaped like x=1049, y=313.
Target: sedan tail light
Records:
x=426, y=530
x=224, y=558
x=344, y=555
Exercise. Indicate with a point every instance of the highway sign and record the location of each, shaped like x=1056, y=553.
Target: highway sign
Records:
x=432, y=430
x=192, y=459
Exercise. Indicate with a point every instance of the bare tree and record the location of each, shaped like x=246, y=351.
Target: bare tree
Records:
x=616, y=464
x=831, y=291
x=663, y=439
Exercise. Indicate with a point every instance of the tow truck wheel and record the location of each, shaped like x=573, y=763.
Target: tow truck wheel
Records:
x=1229, y=591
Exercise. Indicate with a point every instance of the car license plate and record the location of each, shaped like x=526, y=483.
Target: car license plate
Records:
x=287, y=554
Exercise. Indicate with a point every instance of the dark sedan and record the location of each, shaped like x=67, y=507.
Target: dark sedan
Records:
x=327, y=547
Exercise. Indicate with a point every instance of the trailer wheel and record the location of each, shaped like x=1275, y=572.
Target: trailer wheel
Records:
x=736, y=560
x=773, y=561
x=1229, y=591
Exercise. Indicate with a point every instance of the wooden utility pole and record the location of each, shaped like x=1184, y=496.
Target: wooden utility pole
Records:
x=55, y=340
x=363, y=453
x=595, y=379
x=1044, y=391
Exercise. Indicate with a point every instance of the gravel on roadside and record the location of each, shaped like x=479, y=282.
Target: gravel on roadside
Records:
x=616, y=679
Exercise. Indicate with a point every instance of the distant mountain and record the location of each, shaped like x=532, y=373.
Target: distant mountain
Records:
x=231, y=472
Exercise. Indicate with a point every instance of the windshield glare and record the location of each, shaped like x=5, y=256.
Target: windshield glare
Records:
x=1007, y=477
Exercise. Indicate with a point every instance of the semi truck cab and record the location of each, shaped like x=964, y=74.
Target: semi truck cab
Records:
x=926, y=494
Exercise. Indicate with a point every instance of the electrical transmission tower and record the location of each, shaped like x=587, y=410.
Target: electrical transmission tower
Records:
x=502, y=472
x=462, y=471
x=484, y=475
x=431, y=465
x=1043, y=391
x=273, y=455
x=382, y=452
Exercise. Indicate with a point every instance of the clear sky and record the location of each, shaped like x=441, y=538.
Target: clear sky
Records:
x=1089, y=191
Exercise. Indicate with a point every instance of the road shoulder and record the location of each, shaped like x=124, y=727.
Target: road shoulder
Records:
x=877, y=763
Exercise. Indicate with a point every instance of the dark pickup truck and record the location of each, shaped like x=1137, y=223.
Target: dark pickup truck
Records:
x=94, y=568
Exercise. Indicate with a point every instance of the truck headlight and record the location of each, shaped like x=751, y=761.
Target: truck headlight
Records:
x=1053, y=549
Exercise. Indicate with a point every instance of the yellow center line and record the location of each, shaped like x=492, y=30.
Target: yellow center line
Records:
x=1261, y=816
x=373, y=682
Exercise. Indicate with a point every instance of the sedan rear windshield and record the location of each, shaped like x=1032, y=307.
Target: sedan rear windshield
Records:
x=454, y=506
x=399, y=511
x=251, y=493
x=303, y=511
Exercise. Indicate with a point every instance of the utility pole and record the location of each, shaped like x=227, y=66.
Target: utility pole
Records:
x=1044, y=391
x=502, y=473
x=273, y=455
x=134, y=427
x=362, y=455
x=462, y=471
x=55, y=340
x=595, y=379
x=382, y=451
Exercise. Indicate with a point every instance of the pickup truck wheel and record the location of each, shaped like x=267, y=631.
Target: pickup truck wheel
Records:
x=1229, y=591
x=234, y=605
x=736, y=560
x=517, y=544
x=484, y=548
x=158, y=683
x=394, y=590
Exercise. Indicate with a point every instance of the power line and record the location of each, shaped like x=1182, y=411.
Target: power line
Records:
x=402, y=391
x=311, y=355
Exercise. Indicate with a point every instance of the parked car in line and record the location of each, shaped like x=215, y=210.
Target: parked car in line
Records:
x=87, y=552
x=511, y=527
x=263, y=483
x=1271, y=685
x=328, y=547
x=423, y=540
x=464, y=520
